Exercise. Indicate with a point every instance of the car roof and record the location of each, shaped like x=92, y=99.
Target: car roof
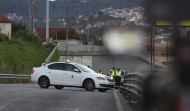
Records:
x=62, y=62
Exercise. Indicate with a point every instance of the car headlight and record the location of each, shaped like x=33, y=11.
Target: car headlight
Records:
x=101, y=78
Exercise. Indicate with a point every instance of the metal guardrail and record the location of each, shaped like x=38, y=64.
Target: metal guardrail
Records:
x=80, y=47
x=5, y=77
x=133, y=83
x=83, y=53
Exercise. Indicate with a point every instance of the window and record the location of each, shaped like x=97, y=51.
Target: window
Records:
x=2, y=27
x=70, y=67
x=84, y=68
x=57, y=66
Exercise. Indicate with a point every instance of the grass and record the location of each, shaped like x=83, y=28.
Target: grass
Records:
x=17, y=56
x=56, y=56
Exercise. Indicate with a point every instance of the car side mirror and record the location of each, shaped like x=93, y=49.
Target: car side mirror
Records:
x=76, y=70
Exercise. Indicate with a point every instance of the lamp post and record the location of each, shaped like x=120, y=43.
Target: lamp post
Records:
x=71, y=2
x=33, y=3
x=167, y=38
x=47, y=19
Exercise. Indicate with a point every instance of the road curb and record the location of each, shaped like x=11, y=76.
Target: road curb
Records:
x=117, y=100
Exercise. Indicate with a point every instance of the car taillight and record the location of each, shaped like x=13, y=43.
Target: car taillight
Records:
x=33, y=71
x=107, y=77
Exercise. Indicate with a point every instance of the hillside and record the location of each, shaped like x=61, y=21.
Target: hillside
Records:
x=58, y=8
x=20, y=56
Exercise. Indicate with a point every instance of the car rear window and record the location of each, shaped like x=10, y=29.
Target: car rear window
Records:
x=57, y=66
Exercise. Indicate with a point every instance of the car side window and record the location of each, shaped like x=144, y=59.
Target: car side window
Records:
x=70, y=67
x=57, y=66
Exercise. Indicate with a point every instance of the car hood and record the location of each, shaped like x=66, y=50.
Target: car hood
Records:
x=96, y=74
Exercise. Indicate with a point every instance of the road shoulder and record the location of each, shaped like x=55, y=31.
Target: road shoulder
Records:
x=122, y=104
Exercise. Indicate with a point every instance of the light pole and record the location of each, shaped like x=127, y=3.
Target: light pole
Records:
x=33, y=3
x=47, y=19
x=167, y=38
x=29, y=6
x=71, y=2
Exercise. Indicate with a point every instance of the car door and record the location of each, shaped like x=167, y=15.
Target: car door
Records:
x=56, y=72
x=71, y=77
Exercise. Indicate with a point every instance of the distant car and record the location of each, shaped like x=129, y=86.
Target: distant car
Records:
x=60, y=74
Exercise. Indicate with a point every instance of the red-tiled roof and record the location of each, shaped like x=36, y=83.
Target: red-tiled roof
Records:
x=52, y=32
x=4, y=19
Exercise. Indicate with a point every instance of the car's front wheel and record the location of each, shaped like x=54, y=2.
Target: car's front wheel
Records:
x=59, y=87
x=89, y=85
x=102, y=90
x=44, y=82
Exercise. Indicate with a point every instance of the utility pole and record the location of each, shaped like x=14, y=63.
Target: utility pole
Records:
x=29, y=6
x=88, y=29
x=33, y=15
x=67, y=36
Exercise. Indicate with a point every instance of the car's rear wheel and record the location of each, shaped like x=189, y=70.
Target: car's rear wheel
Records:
x=102, y=90
x=44, y=82
x=59, y=87
x=89, y=85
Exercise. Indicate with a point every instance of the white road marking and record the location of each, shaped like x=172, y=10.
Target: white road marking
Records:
x=118, y=103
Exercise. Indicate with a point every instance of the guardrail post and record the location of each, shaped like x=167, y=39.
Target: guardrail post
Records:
x=14, y=81
x=4, y=81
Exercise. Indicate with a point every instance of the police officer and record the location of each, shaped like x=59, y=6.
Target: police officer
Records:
x=100, y=72
x=118, y=78
x=44, y=63
x=112, y=72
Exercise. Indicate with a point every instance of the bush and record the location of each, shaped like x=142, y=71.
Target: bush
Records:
x=3, y=37
x=49, y=45
x=31, y=37
x=28, y=36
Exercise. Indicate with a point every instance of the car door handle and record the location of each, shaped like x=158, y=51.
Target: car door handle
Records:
x=48, y=72
x=72, y=76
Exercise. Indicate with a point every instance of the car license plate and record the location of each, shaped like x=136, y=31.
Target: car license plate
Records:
x=111, y=83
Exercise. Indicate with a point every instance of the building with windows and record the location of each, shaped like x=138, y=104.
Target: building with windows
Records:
x=5, y=25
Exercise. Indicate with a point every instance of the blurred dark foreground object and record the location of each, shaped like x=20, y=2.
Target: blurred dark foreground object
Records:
x=170, y=91
x=168, y=12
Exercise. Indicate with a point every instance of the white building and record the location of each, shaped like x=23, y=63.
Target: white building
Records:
x=5, y=25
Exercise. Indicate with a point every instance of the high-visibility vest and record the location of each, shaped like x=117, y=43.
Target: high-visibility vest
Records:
x=113, y=74
x=100, y=72
x=43, y=64
x=118, y=73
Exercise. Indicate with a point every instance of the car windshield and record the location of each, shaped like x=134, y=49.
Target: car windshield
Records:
x=84, y=68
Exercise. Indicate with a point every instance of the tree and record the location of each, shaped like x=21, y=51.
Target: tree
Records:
x=61, y=35
x=17, y=28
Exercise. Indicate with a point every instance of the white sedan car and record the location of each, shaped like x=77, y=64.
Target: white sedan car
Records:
x=60, y=74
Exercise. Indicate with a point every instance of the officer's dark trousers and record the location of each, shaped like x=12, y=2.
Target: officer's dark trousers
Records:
x=117, y=80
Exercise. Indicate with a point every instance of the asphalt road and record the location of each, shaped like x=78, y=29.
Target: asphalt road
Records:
x=27, y=97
